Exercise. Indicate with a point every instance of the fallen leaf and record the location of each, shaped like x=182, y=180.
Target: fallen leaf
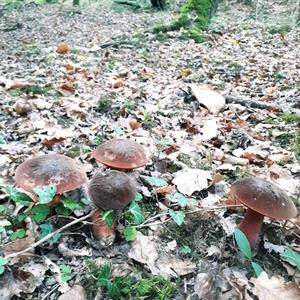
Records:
x=211, y=99
x=189, y=181
x=204, y=286
x=143, y=250
x=63, y=48
x=17, y=84
x=209, y=129
x=76, y=292
x=274, y=288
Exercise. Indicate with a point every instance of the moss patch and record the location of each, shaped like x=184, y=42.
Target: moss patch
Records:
x=193, y=16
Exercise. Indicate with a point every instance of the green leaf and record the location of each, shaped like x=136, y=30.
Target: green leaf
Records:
x=4, y=223
x=136, y=212
x=66, y=277
x=85, y=201
x=2, y=269
x=115, y=290
x=243, y=243
x=2, y=208
x=45, y=193
x=19, y=234
x=154, y=181
x=65, y=269
x=107, y=216
x=185, y=249
x=2, y=140
x=70, y=203
x=47, y=228
x=182, y=200
x=62, y=210
x=103, y=277
x=257, y=268
x=137, y=197
x=177, y=216
x=292, y=256
x=18, y=197
x=130, y=233
x=3, y=261
x=40, y=212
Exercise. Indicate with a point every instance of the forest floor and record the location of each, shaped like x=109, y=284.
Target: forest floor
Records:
x=71, y=80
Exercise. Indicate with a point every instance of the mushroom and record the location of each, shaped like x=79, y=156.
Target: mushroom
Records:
x=47, y=169
x=262, y=198
x=120, y=154
x=113, y=190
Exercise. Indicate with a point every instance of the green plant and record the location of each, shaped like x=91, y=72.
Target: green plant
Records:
x=3, y=262
x=66, y=273
x=155, y=287
x=245, y=248
x=104, y=105
x=296, y=145
x=291, y=118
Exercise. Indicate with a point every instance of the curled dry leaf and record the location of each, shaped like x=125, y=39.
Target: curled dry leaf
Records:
x=189, y=181
x=76, y=292
x=65, y=251
x=63, y=48
x=204, y=286
x=21, y=107
x=274, y=288
x=211, y=99
x=143, y=250
x=170, y=266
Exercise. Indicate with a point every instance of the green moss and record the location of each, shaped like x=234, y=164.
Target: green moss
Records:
x=296, y=145
x=104, y=105
x=193, y=16
x=291, y=118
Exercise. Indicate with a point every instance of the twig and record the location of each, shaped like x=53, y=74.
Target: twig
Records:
x=50, y=235
x=146, y=223
x=252, y=103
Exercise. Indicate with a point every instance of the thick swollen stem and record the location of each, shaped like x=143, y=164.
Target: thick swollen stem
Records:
x=100, y=229
x=251, y=226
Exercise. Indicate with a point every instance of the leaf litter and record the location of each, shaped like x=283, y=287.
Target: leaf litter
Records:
x=202, y=111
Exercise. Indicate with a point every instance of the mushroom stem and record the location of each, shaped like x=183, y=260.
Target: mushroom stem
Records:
x=101, y=231
x=251, y=226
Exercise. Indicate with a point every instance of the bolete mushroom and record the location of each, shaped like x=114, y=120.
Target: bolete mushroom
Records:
x=262, y=198
x=120, y=154
x=56, y=169
x=112, y=190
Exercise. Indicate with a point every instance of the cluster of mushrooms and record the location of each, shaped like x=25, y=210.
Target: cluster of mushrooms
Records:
x=115, y=189
x=108, y=190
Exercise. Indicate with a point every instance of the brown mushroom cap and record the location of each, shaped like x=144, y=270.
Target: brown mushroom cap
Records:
x=113, y=190
x=47, y=169
x=121, y=154
x=264, y=197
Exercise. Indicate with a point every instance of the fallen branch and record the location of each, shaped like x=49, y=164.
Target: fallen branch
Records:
x=252, y=103
x=50, y=235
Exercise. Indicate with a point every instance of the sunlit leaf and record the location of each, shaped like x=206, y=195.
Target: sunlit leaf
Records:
x=257, y=268
x=107, y=216
x=18, y=197
x=18, y=234
x=40, y=212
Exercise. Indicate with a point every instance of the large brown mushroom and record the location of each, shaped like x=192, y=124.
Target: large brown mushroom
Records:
x=262, y=198
x=120, y=154
x=56, y=169
x=113, y=190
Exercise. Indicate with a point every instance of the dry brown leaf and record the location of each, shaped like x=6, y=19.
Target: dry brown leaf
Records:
x=204, y=284
x=18, y=245
x=143, y=250
x=274, y=288
x=21, y=107
x=134, y=124
x=17, y=84
x=118, y=83
x=189, y=181
x=63, y=48
x=211, y=99
x=76, y=292
x=165, y=189
x=67, y=90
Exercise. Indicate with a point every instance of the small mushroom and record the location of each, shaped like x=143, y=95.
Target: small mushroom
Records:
x=120, y=154
x=113, y=190
x=262, y=198
x=47, y=169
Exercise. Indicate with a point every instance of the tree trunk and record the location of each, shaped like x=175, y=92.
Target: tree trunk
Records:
x=159, y=4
